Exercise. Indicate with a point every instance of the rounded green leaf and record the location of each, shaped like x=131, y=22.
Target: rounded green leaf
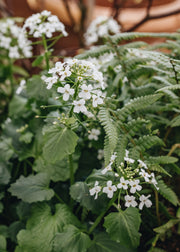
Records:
x=42, y=227
x=59, y=142
x=123, y=227
x=32, y=188
x=71, y=240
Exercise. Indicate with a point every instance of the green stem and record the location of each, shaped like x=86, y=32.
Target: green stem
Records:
x=71, y=168
x=99, y=218
x=46, y=52
x=11, y=76
x=25, y=169
x=57, y=196
x=157, y=206
x=55, y=40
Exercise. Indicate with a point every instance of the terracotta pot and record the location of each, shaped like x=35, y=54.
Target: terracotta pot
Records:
x=133, y=3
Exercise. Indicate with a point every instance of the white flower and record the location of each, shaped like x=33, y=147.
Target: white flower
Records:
x=127, y=159
x=142, y=164
x=21, y=87
x=50, y=81
x=100, y=27
x=123, y=183
x=65, y=73
x=14, y=52
x=145, y=175
x=44, y=24
x=89, y=114
x=107, y=168
x=113, y=157
x=135, y=185
x=85, y=93
x=94, y=133
x=97, y=99
x=153, y=181
x=110, y=189
x=130, y=201
x=95, y=190
x=79, y=106
x=66, y=91
x=144, y=201
x=100, y=154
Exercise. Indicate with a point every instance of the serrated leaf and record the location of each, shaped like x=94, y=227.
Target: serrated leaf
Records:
x=80, y=192
x=71, y=240
x=123, y=227
x=17, y=106
x=168, y=193
x=36, y=88
x=164, y=228
x=109, y=127
x=163, y=160
x=14, y=228
x=4, y=174
x=102, y=243
x=59, y=142
x=42, y=227
x=58, y=171
x=6, y=149
x=26, y=137
x=32, y=188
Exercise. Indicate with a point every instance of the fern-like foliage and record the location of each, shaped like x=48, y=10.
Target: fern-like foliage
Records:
x=109, y=127
x=168, y=193
x=134, y=35
x=172, y=87
x=137, y=104
x=175, y=122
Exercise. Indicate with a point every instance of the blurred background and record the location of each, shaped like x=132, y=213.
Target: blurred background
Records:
x=132, y=15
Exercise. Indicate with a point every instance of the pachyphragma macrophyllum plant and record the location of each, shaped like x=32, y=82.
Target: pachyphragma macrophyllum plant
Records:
x=90, y=146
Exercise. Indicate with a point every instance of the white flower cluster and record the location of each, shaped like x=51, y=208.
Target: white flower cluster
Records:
x=99, y=28
x=44, y=24
x=128, y=180
x=22, y=86
x=93, y=134
x=79, y=79
x=14, y=40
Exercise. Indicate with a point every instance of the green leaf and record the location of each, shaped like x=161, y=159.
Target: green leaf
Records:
x=102, y=243
x=14, y=228
x=36, y=88
x=162, y=160
x=42, y=227
x=1, y=207
x=80, y=192
x=19, y=70
x=123, y=227
x=71, y=240
x=4, y=174
x=32, y=188
x=164, y=228
x=109, y=127
x=2, y=243
x=6, y=149
x=58, y=171
x=59, y=143
x=26, y=137
x=136, y=104
x=172, y=87
x=17, y=106
x=38, y=61
x=168, y=193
